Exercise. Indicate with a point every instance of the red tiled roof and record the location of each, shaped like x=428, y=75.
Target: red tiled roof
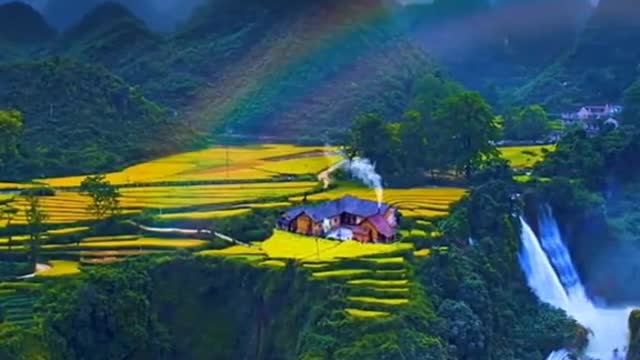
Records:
x=382, y=225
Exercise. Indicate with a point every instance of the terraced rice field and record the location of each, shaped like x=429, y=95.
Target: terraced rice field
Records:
x=522, y=157
x=70, y=207
x=220, y=163
x=199, y=215
x=416, y=202
x=17, y=301
x=293, y=246
x=61, y=268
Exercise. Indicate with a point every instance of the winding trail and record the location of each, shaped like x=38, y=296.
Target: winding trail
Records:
x=325, y=176
x=190, y=232
x=39, y=269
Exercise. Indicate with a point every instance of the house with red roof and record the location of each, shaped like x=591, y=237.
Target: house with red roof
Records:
x=347, y=218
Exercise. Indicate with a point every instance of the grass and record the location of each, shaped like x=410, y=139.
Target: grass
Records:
x=61, y=268
x=416, y=202
x=216, y=163
x=378, y=301
x=289, y=245
x=198, y=215
x=69, y=207
x=522, y=157
x=378, y=283
x=273, y=263
x=142, y=243
x=233, y=251
x=110, y=238
x=422, y=253
x=301, y=166
x=341, y=273
x=392, y=260
x=68, y=231
x=366, y=313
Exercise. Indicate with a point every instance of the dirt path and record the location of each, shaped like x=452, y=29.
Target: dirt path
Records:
x=190, y=232
x=325, y=176
x=39, y=269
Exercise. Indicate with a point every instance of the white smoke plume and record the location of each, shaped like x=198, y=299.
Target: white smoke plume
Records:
x=365, y=171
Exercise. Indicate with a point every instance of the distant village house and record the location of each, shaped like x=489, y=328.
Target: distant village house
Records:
x=347, y=218
x=593, y=118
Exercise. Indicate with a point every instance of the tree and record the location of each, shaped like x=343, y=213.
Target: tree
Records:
x=464, y=132
x=372, y=138
x=7, y=214
x=10, y=128
x=413, y=148
x=529, y=123
x=631, y=103
x=36, y=219
x=105, y=198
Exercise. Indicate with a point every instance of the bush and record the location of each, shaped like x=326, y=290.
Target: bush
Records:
x=13, y=269
x=38, y=191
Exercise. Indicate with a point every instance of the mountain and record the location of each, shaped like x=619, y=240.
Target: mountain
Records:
x=20, y=24
x=256, y=68
x=603, y=63
x=488, y=45
x=80, y=118
x=265, y=67
x=110, y=35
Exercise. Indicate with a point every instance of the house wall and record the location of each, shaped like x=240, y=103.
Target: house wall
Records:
x=361, y=237
x=316, y=229
x=303, y=224
x=375, y=235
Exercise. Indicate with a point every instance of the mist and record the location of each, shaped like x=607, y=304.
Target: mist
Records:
x=160, y=15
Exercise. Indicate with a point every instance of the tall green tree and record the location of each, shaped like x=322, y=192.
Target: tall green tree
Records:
x=105, y=198
x=36, y=218
x=529, y=123
x=413, y=149
x=631, y=103
x=372, y=138
x=464, y=133
x=10, y=128
x=7, y=213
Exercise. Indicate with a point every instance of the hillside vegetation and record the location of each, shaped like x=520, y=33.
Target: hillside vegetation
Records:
x=80, y=118
x=598, y=69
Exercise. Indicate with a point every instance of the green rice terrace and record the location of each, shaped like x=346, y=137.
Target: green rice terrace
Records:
x=195, y=205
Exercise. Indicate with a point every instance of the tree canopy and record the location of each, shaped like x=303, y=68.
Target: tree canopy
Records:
x=529, y=123
x=105, y=198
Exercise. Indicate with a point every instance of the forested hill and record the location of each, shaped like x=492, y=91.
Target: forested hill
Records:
x=79, y=118
x=256, y=67
x=601, y=66
x=259, y=66
x=496, y=45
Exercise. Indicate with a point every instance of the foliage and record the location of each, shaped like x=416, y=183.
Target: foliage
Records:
x=10, y=128
x=529, y=123
x=634, y=335
x=74, y=115
x=597, y=69
x=36, y=218
x=105, y=198
x=457, y=136
x=464, y=132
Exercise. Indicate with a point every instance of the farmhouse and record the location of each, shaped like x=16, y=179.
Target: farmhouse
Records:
x=347, y=218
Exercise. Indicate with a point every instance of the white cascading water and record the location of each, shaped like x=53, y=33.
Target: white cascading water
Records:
x=551, y=274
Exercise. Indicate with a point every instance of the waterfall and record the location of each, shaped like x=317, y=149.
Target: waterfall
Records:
x=552, y=276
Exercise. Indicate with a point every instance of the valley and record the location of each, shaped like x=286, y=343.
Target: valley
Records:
x=328, y=180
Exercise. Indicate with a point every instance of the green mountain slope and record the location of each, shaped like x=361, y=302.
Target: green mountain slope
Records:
x=21, y=24
x=599, y=68
x=501, y=45
x=80, y=118
x=264, y=67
